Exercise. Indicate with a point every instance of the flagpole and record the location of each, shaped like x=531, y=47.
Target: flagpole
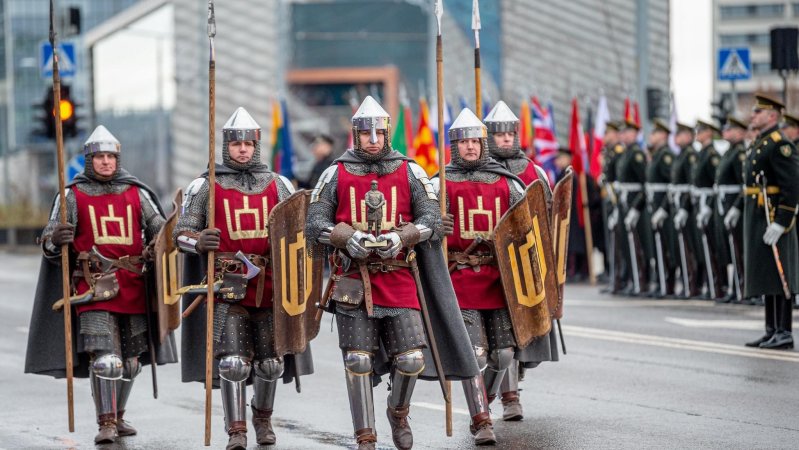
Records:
x=476, y=27
x=62, y=207
x=209, y=305
x=442, y=172
x=589, y=237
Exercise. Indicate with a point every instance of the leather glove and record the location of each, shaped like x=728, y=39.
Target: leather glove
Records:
x=355, y=246
x=631, y=219
x=613, y=219
x=703, y=218
x=731, y=218
x=394, y=247
x=208, y=240
x=773, y=233
x=63, y=234
x=681, y=219
x=447, y=224
x=658, y=218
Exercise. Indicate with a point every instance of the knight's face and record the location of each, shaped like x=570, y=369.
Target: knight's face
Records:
x=364, y=136
x=469, y=149
x=104, y=163
x=504, y=140
x=241, y=151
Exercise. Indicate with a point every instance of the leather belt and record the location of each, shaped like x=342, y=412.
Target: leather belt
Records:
x=227, y=262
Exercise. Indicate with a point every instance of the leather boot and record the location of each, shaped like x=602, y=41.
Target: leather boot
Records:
x=512, y=409
x=262, y=422
x=783, y=337
x=770, y=323
x=483, y=430
x=108, y=429
x=366, y=439
x=124, y=428
x=237, y=440
x=400, y=430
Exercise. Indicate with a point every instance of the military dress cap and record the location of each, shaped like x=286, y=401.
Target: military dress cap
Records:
x=765, y=102
x=790, y=120
x=684, y=127
x=614, y=125
x=733, y=122
x=101, y=140
x=501, y=119
x=660, y=125
x=628, y=123
x=705, y=125
x=241, y=127
x=467, y=126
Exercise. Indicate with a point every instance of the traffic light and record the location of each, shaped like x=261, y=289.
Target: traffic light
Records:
x=69, y=117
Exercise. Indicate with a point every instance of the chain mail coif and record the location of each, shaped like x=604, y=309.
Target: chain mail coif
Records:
x=470, y=165
x=361, y=153
x=88, y=168
x=235, y=165
x=501, y=153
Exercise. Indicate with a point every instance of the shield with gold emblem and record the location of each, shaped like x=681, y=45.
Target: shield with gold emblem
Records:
x=561, y=215
x=296, y=277
x=168, y=272
x=519, y=239
x=536, y=198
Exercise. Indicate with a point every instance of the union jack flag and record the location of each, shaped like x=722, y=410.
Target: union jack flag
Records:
x=544, y=139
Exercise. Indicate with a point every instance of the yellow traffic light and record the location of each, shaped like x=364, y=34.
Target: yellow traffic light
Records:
x=67, y=109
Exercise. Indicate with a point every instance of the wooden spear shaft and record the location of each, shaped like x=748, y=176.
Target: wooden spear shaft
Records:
x=209, y=305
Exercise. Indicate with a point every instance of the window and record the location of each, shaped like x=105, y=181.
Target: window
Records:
x=753, y=11
x=745, y=40
x=761, y=68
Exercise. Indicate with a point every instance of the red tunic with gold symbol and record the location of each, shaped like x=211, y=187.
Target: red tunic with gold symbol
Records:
x=395, y=289
x=112, y=222
x=477, y=208
x=529, y=174
x=243, y=222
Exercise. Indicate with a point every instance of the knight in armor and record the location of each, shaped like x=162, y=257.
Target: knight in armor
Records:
x=772, y=165
x=729, y=201
x=703, y=198
x=376, y=296
x=684, y=218
x=658, y=180
x=113, y=219
x=245, y=192
x=503, y=146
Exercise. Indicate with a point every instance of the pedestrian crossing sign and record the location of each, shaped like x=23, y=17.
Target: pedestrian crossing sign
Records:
x=734, y=64
x=66, y=60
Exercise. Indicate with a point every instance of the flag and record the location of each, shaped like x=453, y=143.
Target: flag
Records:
x=282, y=152
x=525, y=129
x=544, y=141
x=424, y=147
x=402, y=138
x=579, y=153
x=600, y=125
x=628, y=111
x=447, y=123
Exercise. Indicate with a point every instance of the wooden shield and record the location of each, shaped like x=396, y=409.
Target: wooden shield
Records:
x=168, y=273
x=561, y=216
x=296, y=277
x=536, y=199
x=520, y=257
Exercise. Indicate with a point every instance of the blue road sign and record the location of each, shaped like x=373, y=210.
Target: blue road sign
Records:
x=66, y=60
x=734, y=64
x=75, y=166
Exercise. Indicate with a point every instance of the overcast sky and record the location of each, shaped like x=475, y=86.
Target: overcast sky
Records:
x=691, y=58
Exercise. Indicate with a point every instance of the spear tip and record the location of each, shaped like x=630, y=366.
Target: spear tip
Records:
x=439, y=10
x=211, y=19
x=475, y=15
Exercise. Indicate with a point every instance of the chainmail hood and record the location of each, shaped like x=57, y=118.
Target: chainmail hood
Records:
x=501, y=153
x=470, y=165
x=88, y=169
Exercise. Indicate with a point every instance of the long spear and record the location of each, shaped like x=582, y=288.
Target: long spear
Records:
x=476, y=27
x=62, y=207
x=209, y=305
x=442, y=171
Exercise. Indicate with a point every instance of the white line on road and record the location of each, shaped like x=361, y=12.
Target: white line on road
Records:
x=727, y=324
x=683, y=344
x=623, y=303
x=436, y=407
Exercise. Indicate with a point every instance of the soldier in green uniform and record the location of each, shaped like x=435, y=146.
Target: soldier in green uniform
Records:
x=615, y=262
x=729, y=203
x=790, y=127
x=703, y=197
x=629, y=185
x=684, y=223
x=772, y=160
x=658, y=179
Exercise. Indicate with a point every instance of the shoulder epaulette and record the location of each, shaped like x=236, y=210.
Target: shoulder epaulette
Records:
x=776, y=136
x=618, y=148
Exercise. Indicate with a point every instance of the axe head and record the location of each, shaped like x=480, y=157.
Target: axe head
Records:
x=104, y=263
x=252, y=269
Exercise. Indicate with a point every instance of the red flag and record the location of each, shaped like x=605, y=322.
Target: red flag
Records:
x=636, y=115
x=525, y=128
x=628, y=111
x=600, y=125
x=425, y=148
x=578, y=149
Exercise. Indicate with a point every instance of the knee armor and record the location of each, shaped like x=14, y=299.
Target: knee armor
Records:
x=234, y=368
x=409, y=363
x=358, y=363
x=107, y=367
x=482, y=357
x=269, y=369
x=500, y=359
x=131, y=368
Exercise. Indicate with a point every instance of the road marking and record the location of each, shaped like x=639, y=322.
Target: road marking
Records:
x=726, y=324
x=627, y=303
x=683, y=344
x=436, y=407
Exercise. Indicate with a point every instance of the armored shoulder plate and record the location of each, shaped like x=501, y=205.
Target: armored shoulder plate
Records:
x=421, y=175
x=194, y=188
x=326, y=177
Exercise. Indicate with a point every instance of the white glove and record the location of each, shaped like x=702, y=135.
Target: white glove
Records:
x=631, y=219
x=394, y=247
x=731, y=218
x=613, y=219
x=680, y=219
x=773, y=233
x=355, y=246
x=658, y=218
x=703, y=218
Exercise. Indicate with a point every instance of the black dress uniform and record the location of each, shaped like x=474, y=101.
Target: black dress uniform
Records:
x=610, y=157
x=681, y=172
x=658, y=179
x=775, y=159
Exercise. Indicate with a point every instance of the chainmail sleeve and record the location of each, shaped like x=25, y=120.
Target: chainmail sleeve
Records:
x=55, y=219
x=284, y=188
x=194, y=209
x=426, y=209
x=152, y=220
x=516, y=191
x=322, y=210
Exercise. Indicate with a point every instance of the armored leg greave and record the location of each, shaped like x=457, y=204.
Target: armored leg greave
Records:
x=510, y=382
x=106, y=371
x=498, y=362
x=267, y=372
x=233, y=374
x=358, y=370
x=407, y=367
x=131, y=368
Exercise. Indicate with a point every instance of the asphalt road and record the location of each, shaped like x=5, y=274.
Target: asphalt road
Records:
x=638, y=374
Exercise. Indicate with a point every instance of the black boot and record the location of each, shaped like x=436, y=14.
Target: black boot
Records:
x=783, y=338
x=770, y=323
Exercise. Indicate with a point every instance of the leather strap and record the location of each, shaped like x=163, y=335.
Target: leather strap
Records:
x=367, y=288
